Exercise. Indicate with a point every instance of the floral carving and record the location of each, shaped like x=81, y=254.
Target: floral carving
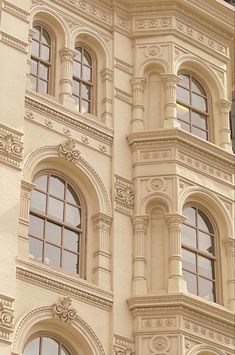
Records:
x=63, y=310
x=158, y=344
x=67, y=150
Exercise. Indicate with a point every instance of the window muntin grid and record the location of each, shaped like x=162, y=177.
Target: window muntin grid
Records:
x=55, y=223
x=198, y=253
x=44, y=345
x=192, y=106
x=40, y=60
x=83, y=80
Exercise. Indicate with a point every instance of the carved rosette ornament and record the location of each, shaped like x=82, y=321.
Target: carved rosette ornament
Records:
x=67, y=150
x=63, y=310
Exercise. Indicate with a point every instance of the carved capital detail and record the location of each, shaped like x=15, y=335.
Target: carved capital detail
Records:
x=68, y=151
x=10, y=146
x=6, y=318
x=124, y=195
x=63, y=310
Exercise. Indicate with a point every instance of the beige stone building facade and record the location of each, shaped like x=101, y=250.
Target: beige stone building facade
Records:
x=116, y=177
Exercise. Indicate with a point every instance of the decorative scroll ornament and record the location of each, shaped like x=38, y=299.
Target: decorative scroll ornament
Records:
x=10, y=144
x=62, y=310
x=67, y=150
x=6, y=317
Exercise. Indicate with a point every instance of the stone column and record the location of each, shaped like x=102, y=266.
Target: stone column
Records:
x=67, y=55
x=175, y=281
x=107, y=102
x=229, y=245
x=170, y=83
x=138, y=104
x=139, y=260
x=102, y=251
x=225, y=138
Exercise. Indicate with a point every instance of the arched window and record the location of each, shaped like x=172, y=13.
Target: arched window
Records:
x=192, y=106
x=83, y=80
x=44, y=345
x=198, y=253
x=41, y=57
x=55, y=224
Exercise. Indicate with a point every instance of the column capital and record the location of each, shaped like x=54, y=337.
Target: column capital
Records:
x=138, y=81
x=229, y=245
x=224, y=104
x=67, y=54
x=140, y=222
x=170, y=79
x=175, y=218
x=102, y=221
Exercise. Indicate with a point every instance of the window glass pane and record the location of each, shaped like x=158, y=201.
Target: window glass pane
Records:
x=183, y=95
x=56, y=208
x=206, y=289
x=76, y=87
x=71, y=196
x=50, y=346
x=190, y=213
x=43, y=71
x=189, y=236
x=45, y=53
x=57, y=187
x=206, y=243
x=86, y=73
x=184, y=80
x=53, y=233
x=35, y=49
x=73, y=215
x=34, y=67
x=85, y=91
x=36, y=226
x=71, y=240
x=199, y=120
x=42, y=86
x=33, y=83
x=41, y=183
x=189, y=260
x=183, y=112
x=85, y=106
x=191, y=281
x=36, y=33
x=45, y=37
x=79, y=54
x=205, y=267
x=52, y=255
x=204, y=223
x=197, y=88
x=199, y=133
x=32, y=348
x=185, y=126
x=77, y=69
x=87, y=58
x=35, y=249
x=70, y=261
x=38, y=201
x=199, y=102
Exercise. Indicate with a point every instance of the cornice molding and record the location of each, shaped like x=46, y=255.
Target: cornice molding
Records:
x=50, y=109
x=42, y=276
x=189, y=305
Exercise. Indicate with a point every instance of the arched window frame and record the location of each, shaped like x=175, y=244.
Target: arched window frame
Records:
x=207, y=113
x=62, y=342
x=51, y=62
x=92, y=84
x=82, y=251
x=216, y=257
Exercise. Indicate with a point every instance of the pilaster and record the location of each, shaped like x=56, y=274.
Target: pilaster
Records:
x=175, y=281
x=139, y=278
